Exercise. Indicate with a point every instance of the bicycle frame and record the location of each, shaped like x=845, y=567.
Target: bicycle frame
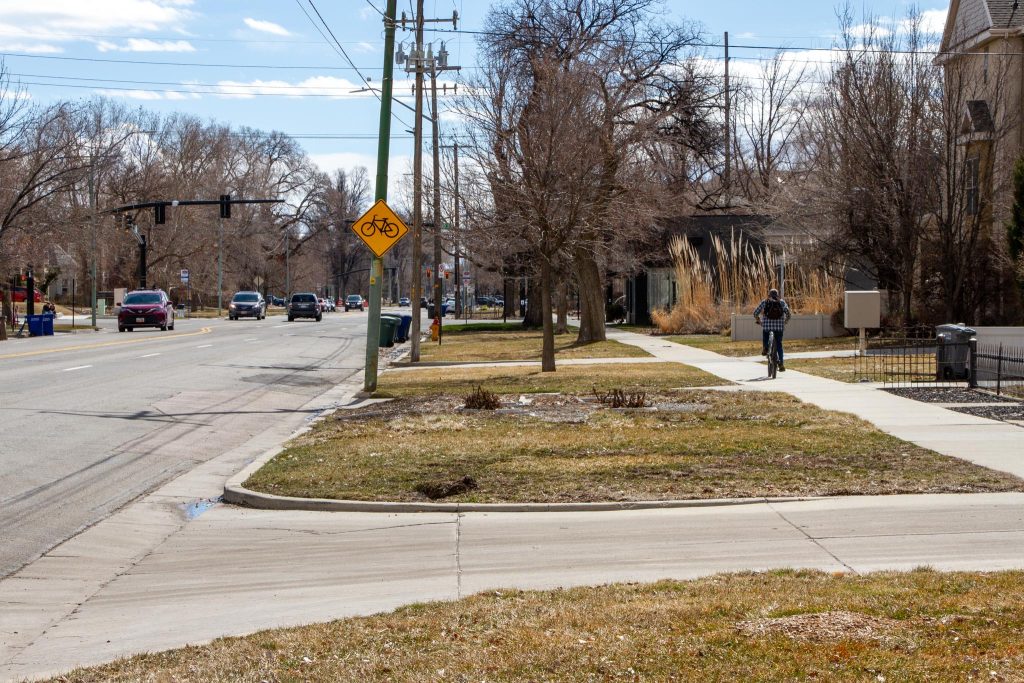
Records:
x=773, y=355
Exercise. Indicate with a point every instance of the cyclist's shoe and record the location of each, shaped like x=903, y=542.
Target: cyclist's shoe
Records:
x=782, y=367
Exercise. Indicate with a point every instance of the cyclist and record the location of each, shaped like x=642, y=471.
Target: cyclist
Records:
x=775, y=312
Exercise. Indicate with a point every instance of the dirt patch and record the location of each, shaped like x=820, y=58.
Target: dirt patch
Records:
x=436, y=490
x=822, y=626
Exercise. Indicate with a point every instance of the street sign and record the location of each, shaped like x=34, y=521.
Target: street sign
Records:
x=380, y=228
x=184, y=276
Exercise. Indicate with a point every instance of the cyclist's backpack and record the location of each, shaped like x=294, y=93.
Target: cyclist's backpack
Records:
x=773, y=309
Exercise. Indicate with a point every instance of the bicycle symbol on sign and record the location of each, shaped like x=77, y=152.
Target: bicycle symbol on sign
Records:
x=381, y=225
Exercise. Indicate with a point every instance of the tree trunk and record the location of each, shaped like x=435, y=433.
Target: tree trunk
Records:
x=591, y=296
x=547, y=358
x=534, y=317
x=563, y=308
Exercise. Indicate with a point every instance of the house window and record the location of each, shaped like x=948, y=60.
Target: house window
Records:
x=973, y=192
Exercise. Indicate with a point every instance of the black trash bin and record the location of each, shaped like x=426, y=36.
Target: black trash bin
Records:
x=953, y=352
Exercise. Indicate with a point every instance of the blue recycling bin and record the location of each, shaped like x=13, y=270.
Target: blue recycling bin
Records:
x=40, y=325
x=404, y=323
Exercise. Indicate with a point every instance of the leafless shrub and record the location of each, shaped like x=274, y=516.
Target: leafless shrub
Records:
x=481, y=399
x=618, y=398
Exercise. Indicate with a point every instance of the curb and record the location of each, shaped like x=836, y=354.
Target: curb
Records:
x=239, y=495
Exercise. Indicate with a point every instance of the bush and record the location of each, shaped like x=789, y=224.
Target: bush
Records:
x=617, y=398
x=481, y=399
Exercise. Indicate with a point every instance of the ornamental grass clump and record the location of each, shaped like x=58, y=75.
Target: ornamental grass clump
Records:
x=735, y=279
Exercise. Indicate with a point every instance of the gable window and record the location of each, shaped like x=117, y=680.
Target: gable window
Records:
x=971, y=182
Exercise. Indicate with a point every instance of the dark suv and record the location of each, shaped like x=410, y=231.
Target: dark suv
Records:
x=145, y=308
x=354, y=302
x=304, y=305
x=247, y=304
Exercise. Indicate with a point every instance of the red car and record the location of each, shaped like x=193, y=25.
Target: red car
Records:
x=145, y=308
x=18, y=293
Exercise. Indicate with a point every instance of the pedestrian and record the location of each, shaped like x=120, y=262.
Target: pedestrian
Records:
x=772, y=314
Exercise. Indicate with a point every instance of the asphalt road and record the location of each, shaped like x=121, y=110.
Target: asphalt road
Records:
x=89, y=422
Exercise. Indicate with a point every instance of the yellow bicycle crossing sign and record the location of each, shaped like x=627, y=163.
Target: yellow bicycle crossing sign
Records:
x=380, y=228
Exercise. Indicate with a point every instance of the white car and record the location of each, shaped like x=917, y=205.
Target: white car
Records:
x=326, y=305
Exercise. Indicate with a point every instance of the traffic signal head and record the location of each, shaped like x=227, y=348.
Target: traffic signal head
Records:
x=447, y=275
x=225, y=206
x=159, y=214
x=429, y=273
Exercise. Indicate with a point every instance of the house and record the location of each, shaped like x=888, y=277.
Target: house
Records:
x=984, y=81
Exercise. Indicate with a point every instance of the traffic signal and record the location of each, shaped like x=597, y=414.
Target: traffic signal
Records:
x=429, y=273
x=225, y=206
x=159, y=214
x=447, y=275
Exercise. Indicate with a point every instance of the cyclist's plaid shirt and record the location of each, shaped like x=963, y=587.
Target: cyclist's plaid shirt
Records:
x=769, y=325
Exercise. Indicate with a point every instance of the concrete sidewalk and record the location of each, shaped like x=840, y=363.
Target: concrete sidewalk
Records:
x=989, y=443
x=233, y=571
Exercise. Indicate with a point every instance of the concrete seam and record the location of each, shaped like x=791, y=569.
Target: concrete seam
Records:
x=812, y=540
x=458, y=556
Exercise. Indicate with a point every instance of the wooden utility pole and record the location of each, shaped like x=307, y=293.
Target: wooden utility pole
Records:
x=438, y=63
x=728, y=126
x=417, y=191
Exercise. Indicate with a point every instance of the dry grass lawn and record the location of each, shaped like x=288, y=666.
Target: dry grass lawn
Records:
x=725, y=346
x=700, y=444
x=498, y=342
x=569, y=379
x=778, y=626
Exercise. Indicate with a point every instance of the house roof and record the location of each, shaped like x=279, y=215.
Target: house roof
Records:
x=968, y=19
x=1004, y=15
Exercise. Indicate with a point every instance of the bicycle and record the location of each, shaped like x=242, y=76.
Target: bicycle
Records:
x=773, y=356
x=381, y=225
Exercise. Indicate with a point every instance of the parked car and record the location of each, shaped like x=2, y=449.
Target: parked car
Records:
x=326, y=305
x=145, y=308
x=247, y=305
x=354, y=301
x=404, y=301
x=20, y=293
x=276, y=301
x=304, y=305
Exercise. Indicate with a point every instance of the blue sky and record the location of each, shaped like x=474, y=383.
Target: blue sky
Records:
x=264, y=64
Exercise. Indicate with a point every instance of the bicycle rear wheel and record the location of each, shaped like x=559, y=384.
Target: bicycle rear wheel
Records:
x=773, y=357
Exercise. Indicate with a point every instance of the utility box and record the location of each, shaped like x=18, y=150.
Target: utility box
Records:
x=953, y=352
x=863, y=310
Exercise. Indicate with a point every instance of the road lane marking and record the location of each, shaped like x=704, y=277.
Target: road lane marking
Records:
x=204, y=346
x=100, y=345
x=77, y=367
x=277, y=327
x=149, y=355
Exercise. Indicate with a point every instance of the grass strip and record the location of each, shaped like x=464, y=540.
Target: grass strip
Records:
x=703, y=444
x=776, y=626
x=498, y=342
x=568, y=379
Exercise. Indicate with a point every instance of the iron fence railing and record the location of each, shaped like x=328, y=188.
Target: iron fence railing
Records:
x=908, y=362
x=998, y=367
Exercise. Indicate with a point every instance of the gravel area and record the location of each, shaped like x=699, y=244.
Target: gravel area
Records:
x=1004, y=413
x=950, y=395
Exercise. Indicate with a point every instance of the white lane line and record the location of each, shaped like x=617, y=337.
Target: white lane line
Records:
x=149, y=355
x=277, y=327
x=204, y=346
x=252, y=339
x=77, y=367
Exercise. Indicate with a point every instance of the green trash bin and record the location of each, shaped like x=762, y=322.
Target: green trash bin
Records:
x=388, y=327
x=397, y=320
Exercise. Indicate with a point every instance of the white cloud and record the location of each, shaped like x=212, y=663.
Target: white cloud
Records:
x=132, y=94
x=365, y=47
x=397, y=165
x=35, y=48
x=146, y=45
x=367, y=12
x=266, y=27
x=61, y=18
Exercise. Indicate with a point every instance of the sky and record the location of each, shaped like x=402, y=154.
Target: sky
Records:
x=268, y=64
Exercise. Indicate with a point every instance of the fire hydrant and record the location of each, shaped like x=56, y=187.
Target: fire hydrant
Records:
x=435, y=329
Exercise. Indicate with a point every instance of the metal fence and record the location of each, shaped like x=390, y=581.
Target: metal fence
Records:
x=914, y=362
x=998, y=367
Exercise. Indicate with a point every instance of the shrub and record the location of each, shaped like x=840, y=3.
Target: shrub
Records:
x=481, y=399
x=617, y=398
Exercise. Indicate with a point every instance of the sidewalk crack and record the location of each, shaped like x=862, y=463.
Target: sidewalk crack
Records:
x=813, y=540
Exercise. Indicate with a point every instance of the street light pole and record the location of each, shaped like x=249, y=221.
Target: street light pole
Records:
x=417, y=191
x=220, y=264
